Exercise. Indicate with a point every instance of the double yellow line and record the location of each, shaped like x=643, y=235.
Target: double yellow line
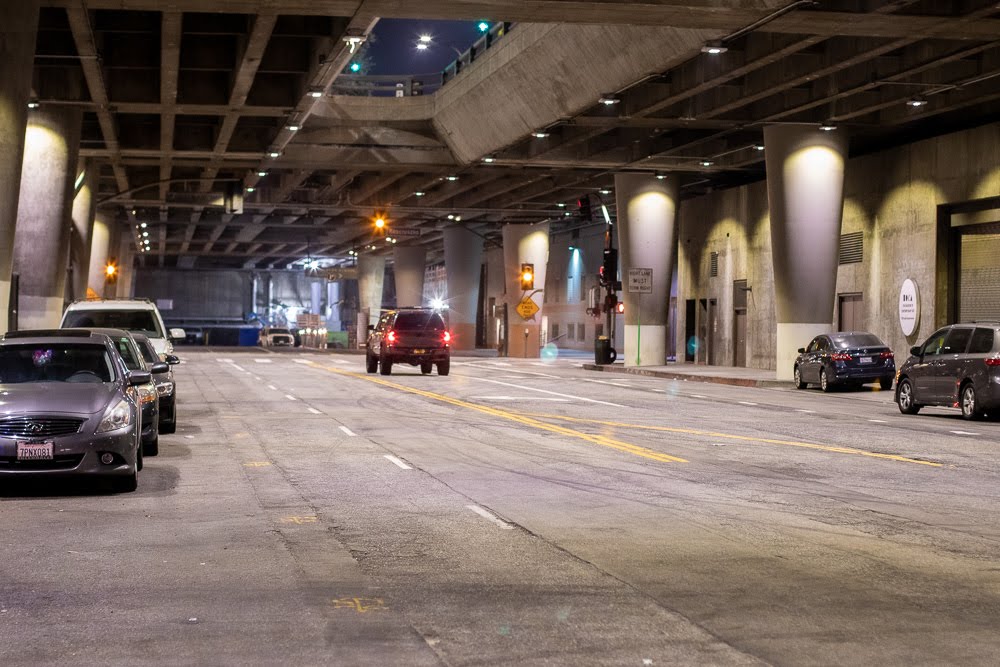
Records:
x=601, y=440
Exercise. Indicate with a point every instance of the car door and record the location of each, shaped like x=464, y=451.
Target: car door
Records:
x=807, y=363
x=922, y=372
x=818, y=358
x=949, y=369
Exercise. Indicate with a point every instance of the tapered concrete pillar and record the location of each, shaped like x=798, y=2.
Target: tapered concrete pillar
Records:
x=333, y=292
x=100, y=247
x=81, y=233
x=409, y=265
x=647, y=234
x=805, y=191
x=316, y=297
x=525, y=244
x=18, y=28
x=41, y=241
x=371, y=277
x=124, y=286
x=463, y=261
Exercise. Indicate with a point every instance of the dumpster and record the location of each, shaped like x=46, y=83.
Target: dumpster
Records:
x=603, y=352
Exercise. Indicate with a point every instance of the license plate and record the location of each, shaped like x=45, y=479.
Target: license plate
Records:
x=864, y=360
x=419, y=351
x=34, y=451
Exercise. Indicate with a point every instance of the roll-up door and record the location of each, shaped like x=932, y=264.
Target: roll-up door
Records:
x=979, y=278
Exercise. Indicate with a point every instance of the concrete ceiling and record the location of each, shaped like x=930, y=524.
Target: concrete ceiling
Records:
x=180, y=103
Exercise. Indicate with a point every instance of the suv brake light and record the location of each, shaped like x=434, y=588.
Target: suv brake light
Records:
x=993, y=361
x=840, y=356
x=391, y=337
x=447, y=337
x=888, y=355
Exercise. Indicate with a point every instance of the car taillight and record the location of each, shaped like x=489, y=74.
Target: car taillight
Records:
x=391, y=337
x=887, y=355
x=993, y=361
x=840, y=356
x=447, y=337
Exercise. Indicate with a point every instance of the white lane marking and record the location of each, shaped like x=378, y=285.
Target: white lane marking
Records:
x=315, y=411
x=340, y=361
x=878, y=421
x=398, y=462
x=964, y=433
x=301, y=361
x=520, y=398
x=224, y=360
x=535, y=373
x=545, y=391
x=697, y=396
x=290, y=397
x=613, y=384
x=806, y=411
x=348, y=431
x=272, y=387
x=239, y=368
x=489, y=516
x=189, y=437
x=659, y=391
x=746, y=403
x=262, y=361
x=258, y=378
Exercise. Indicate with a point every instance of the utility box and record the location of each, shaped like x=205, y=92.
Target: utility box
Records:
x=603, y=352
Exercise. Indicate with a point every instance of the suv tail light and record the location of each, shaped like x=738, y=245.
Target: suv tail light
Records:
x=391, y=337
x=840, y=356
x=888, y=355
x=446, y=337
x=993, y=361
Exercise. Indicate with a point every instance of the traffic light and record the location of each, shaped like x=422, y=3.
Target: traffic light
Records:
x=620, y=308
x=527, y=276
x=584, y=204
x=609, y=268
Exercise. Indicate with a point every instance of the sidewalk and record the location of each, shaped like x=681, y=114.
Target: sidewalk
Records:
x=741, y=377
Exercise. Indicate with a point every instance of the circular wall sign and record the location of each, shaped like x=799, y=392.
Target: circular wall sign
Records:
x=909, y=307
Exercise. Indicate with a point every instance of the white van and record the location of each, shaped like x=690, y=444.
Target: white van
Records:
x=140, y=315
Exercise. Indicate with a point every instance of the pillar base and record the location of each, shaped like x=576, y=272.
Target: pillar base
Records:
x=39, y=312
x=463, y=336
x=645, y=345
x=789, y=338
x=4, y=305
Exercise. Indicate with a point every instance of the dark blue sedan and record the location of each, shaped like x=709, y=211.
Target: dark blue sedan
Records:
x=845, y=358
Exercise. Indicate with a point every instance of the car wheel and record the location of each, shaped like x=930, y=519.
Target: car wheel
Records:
x=151, y=448
x=904, y=398
x=885, y=383
x=824, y=382
x=799, y=384
x=426, y=367
x=126, y=484
x=371, y=363
x=968, y=403
x=166, y=428
x=444, y=367
x=384, y=366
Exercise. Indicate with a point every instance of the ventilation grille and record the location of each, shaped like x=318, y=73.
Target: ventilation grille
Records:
x=852, y=248
x=714, y=264
x=980, y=287
x=39, y=427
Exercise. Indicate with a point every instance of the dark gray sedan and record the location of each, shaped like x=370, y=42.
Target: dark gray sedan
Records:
x=163, y=378
x=845, y=358
x=68, y=408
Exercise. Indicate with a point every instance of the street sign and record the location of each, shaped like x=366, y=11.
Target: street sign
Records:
x=527, y=308
x=640, y=281
x=348, y=273
x=401, y=232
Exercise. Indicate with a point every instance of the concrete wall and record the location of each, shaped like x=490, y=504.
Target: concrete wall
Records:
x=570, y=276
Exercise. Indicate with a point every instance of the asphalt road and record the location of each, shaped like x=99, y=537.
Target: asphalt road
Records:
x=514, y=513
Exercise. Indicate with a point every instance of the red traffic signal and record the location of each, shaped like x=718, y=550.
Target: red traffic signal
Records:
x=620, y=308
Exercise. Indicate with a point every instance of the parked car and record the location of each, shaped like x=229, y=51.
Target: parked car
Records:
x=958, y=366
x=138, y=315
x=845, y=358
x=166, y=387
x=69, y=407
x=415, y=336
x=148, y=399
x=276, y=337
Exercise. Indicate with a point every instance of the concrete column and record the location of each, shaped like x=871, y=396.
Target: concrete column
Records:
x=18, y=27
x=647, y=235
x=805, y=192
x=371, y=276
x=124, y=287
x=41, y=242
x=521, y=244
x=100, y=247
x=409, y=263
x=316, y=297
x=83, y=225
x=463, y=261
x=333, y=291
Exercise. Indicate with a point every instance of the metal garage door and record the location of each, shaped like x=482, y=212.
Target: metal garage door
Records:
x=980, y=277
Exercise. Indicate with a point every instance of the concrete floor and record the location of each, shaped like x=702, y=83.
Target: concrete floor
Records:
x=514, y=513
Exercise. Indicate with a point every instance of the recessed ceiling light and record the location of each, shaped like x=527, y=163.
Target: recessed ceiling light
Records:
x=489, y=160
x=607, y=99
x=451, y=178
x=917, y=102
x=293, y=127
x=419, y=194
x=143, y=225
x=660, y=177
x=604, y=191
x=33, y=104
x=251, y=189
x=451, y=216
x=759, y=147
x=425, y=39
x=561, y=205
x=262, y=174
x=315, y=93
x=707, y=163
x=274, y=154
x=539, y=135
x=421, y=46
x=827, y=127
x=714, y=48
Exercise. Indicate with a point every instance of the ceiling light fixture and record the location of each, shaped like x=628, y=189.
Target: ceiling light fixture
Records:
x=714, y=48
x=561, y=205
x=262, y=174
x=827, y=127
x=759, y=147
x=917, y=102
x=489, y=159
x=315, y=94
x=293, y=127
x=707, y=163
x=418, y=193
x=274, y=154
x=604, y=191
x=539, y=135
x=33, y=104
x=452, y=177
x=251, y=189
x=425, y=39
x=609, y=99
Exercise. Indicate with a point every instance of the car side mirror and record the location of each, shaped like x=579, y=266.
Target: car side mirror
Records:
x=915, y=351
x=159, y=368
x=802, y=350
x=136, y=378
x=371, y=327
x=178, y=334
x=172, y=359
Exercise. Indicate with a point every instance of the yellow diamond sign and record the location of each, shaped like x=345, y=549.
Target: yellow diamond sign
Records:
x=527, y=308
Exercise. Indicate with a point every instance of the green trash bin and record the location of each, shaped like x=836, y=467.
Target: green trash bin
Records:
x=603, y=352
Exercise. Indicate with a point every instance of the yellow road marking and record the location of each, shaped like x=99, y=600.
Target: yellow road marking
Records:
x=299, y=520
x=604, y=441
x=745, y=438
x=360, y=605
x=257, y=464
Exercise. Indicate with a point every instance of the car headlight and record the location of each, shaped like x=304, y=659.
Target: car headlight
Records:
x=147, y=393
x=116, y=417
x=165, y=389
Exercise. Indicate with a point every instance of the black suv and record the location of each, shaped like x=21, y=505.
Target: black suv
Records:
x=415, y=336
x=958, y=366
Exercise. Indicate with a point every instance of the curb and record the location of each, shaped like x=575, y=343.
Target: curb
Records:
x=671, y=375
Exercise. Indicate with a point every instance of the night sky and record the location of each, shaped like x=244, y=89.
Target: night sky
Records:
x=394, y=50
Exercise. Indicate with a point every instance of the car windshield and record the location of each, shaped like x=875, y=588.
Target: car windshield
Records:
x=277, y=331
x=55, y=362
x=141, y=321
x=856, y=340
x=129, y=354
x=419, y=321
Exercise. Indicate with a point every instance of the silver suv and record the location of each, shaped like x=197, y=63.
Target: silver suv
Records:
x=957, y=367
